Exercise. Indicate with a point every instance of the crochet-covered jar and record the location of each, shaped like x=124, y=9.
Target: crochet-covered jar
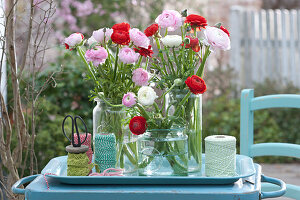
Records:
x=114, y=145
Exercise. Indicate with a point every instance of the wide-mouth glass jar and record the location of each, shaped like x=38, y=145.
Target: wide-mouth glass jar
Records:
x=163, y=152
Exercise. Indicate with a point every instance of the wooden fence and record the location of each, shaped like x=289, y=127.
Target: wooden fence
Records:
x=265, y=44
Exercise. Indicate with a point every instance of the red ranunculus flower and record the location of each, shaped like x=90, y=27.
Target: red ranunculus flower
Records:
x=121, y=27
x=151, y=30
x=194, y=44
x=138, y=125
x=196, y=84
x=196, y=21
x=120, y=37
x=225, y=30
x=144, y=52
x=67, y=46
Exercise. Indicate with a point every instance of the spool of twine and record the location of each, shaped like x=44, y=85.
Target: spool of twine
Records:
x=105, y=151
x=87, y=142
x=220, y=153
x=78, y=164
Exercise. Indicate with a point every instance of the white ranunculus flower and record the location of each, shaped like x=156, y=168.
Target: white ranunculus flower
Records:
x=146, y=95
x=91, y=41
x=171, y=40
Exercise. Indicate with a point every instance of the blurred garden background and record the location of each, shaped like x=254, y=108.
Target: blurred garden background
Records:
x=265, y=50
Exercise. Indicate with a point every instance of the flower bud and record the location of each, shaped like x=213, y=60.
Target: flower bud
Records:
x=187, y=40
x=188, y=28
x=218, y=25
x=178, y=82
x=184, y=13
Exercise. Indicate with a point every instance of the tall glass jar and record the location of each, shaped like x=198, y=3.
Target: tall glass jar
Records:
x=192, y=122
x=109, y=124
x=163, y=152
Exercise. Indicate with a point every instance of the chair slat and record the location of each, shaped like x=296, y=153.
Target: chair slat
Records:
x=248, y=105
x=275, y=149
x=276, y=101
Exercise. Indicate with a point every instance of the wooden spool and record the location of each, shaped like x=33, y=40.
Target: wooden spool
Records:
x=81, y=149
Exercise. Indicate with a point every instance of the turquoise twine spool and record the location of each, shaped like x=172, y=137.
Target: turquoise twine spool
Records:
x=105, y=151
x=220, y=153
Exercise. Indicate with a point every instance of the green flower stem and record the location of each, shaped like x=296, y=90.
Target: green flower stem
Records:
x=175, y=58
x=166, y=33
x=157, y=43
x=164, y=100
x=201, y=68
x=161, y=55
x=156, y=107
x=112, y=105
x=116, y=63
x=143, y=111
x=80, y=51
x=171, y=64
x=182, y=102
x=131, y=158
x=139, y=61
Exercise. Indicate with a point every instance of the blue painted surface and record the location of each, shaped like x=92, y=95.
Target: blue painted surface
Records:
x=37, y=190
x=58, y=166
x=248, y=105
x=244, y=189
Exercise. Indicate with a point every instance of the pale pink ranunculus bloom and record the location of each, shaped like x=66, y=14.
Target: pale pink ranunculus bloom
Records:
x=139, y=38
x=216, y=38
x=129, y=99
x=73, y=40
x=96, y=56
x=128, y=55
x=140, y=77
x=170, y=19
x=99, y=34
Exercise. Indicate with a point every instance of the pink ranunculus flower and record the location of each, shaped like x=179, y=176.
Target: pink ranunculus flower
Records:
x=170, y=19
x=73, y=40
x=99, y=34
x=128, y=55
x=140, y=77
x=129, y=99
x=216, y=38
x=96, y=56
x=139, y=38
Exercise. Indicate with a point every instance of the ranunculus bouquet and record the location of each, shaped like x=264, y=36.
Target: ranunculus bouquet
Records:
x=182, y=58
x=116, y=60
x=179, y=68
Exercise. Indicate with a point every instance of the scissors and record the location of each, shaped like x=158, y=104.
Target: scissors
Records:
x=74, y=123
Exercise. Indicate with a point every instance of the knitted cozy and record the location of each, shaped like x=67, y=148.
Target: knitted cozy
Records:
x=78, y=164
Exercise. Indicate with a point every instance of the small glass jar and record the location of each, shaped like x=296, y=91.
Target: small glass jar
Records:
x=110, y=121
x=163, y=152
x=192, y=124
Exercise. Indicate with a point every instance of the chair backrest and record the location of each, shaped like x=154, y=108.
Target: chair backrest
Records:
x=248, y=105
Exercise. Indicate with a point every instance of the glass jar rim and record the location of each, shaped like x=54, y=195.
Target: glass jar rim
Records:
x=166, y=130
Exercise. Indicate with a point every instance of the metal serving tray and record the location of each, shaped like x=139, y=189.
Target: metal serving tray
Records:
x=58, y=166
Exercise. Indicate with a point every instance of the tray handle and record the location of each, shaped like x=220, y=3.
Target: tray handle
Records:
x=275, y=181
x=15, y=188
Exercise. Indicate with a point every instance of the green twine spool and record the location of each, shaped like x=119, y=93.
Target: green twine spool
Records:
x=78, y=164
x=105, y=151
x=220, y=152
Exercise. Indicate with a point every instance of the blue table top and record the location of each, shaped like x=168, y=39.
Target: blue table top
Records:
x=243, y=189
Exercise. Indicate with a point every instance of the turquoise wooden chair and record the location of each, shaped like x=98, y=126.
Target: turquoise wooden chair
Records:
x=249, y=104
